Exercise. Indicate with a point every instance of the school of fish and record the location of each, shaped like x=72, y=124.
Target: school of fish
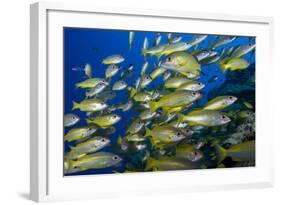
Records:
x=171, y=131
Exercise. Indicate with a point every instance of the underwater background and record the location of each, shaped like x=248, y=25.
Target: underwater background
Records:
x=91, y=46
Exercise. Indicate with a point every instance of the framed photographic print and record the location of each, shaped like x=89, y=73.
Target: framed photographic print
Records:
x=120, y=97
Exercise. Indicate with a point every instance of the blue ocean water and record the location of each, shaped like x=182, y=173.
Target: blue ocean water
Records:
x=91, y=46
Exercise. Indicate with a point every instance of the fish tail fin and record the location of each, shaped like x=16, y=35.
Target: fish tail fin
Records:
x=70, y=165
x=88, y=95
x=149, y=163
x=153, y=106
x=75, y=105
x=133, y=92
x=72, y=148
x=155, y=144
x=159, y=56
x=119, y=140
x=143, y=51
x=88, y=121
x=147, y=132
x=181, y=117
x=223, y=67
x=211, y=44
x=77, y=85
x=221, y=153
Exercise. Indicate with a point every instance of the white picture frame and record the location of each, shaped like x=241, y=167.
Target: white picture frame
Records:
x=46, y=174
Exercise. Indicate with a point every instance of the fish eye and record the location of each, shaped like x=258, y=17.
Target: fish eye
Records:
x=103, y=140
x=230, y=97
x=223, y=117
x=196, y=153
x=73, y=117
x=169, y=59
x=114, y=116
x=199, y=83
x=115, y=157
x=193, y=93
x=90, y=129
x=178, y=134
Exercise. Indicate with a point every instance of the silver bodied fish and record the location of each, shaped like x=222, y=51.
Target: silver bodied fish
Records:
x=91, y=83
x=90, y=105
x=142, y=97
x=105, y=120
x=210, y=60
x=135, y=138
x=158, y=39
x=157, y=72
x=88, y=70
x=207, y=118
x=126, y=107
x=96, y=90
x=98, y=160
x=205, y=54
x=198, y=39
x=107, y=95
x=233, y=64
x=147, y=115
x=153, y=51
x=111, y=71
x=93, y=145
x=175, y=99
x=176, y=82
x=189, y=152
x=145, y=43
x=175, y=39
x=175, y=47
x=242, y=50
x=182, y=62
x=127, y=73
x=144, y=68
x=119, y=85
x=192, y=86
x=135, y=127
x=79, y=133
x=114, y=59
x=145, y=80
x=220, y=102
x=70, y=120
x=131, y=38
x=222, y=41
x=239, y=152
x=164, y=135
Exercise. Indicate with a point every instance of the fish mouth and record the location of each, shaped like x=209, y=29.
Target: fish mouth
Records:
x=227, y=120
x=168, y=64
x=105, y=83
